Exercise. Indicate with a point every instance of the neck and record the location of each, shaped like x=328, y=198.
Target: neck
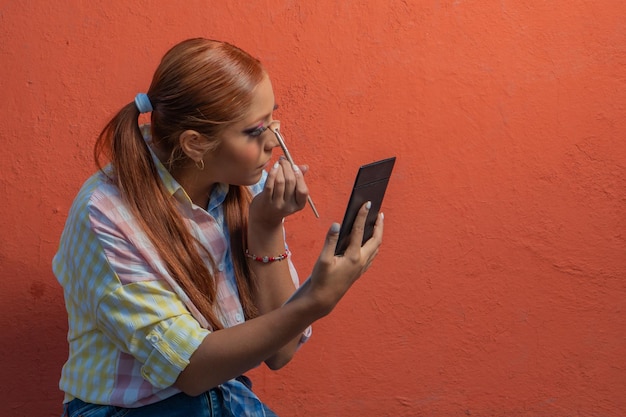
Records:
x=198, y=192
x=194, y=181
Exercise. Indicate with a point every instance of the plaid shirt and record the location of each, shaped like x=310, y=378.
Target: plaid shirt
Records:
x=132, y=329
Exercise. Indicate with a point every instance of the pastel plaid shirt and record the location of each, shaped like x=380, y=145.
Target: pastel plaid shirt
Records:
x=132, y=329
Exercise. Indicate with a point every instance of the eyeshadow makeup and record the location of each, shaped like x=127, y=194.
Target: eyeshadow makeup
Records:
x=276, y=129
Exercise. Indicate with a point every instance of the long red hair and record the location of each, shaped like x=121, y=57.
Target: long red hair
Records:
x=200, y=85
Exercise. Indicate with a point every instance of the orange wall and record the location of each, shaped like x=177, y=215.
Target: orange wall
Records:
x=500, y=289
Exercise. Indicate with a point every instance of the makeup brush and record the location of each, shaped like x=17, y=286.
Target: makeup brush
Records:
x=281, y=141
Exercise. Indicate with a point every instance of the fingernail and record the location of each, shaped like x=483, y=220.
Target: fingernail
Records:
x=368, y=205
x=276, y=164
x=382, y=216
x=295, y=168
x=335, y=228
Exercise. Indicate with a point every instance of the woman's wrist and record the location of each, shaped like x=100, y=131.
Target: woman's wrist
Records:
x=267, y=258
x=264, y=223
x=266, y=239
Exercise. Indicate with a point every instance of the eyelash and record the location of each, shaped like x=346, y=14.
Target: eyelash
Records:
x=258, y=131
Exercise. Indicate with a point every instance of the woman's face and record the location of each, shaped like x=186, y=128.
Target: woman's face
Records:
x=246, y=146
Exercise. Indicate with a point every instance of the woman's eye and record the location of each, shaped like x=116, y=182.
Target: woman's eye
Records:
x=257, y=131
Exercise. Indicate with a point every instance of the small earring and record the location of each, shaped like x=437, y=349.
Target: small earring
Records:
x=200, y=164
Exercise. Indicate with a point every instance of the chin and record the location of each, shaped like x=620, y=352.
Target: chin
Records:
x=251, y=180
x=257, y=177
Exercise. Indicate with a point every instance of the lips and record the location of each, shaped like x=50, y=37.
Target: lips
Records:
x=265, y=165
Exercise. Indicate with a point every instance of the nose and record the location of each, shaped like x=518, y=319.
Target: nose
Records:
x=273, y=142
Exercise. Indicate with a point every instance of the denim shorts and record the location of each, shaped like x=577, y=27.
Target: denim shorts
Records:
x=209, y=404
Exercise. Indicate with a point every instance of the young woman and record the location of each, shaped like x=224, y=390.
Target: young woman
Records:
x=173, y=260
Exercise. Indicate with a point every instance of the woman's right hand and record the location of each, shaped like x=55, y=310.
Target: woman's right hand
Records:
x=332, y=275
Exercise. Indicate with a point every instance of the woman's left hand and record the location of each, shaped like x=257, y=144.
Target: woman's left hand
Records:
x=285, y=193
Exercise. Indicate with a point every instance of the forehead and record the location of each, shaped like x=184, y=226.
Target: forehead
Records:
x=262, y=102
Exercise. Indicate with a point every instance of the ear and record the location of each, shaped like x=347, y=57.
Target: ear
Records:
x=193, y=144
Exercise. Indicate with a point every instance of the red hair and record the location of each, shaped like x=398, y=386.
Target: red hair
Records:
x=200, y=85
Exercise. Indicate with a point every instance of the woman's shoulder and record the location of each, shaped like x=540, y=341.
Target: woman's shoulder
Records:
x=99, y=193
x=100, y=185
x=89, y=204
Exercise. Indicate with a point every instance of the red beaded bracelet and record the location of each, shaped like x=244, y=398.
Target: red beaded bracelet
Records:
x=267, y=259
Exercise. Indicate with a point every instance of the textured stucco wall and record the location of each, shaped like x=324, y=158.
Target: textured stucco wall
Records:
x=500, y=289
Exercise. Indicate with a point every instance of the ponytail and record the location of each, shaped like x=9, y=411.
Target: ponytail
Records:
x=203, y=85
x=136, y=176
x=236, y=207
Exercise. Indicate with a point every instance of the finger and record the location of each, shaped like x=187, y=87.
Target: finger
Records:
x=377, y=236
x=279, y=182
x=356, y=235
x=271, y=179
x=302, y=190
x=371, y=247
x=289, y=173
x=370, y=260
x=304, y=168
x=328, y=251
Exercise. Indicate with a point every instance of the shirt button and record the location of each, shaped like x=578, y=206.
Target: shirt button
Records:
x=154, y=338
x=239, y=317
x=220, y=267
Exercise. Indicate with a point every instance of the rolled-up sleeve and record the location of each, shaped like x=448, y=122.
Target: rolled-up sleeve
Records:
x=147, y=320
x=136, y=307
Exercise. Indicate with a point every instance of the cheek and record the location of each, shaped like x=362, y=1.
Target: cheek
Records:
x=249, y=154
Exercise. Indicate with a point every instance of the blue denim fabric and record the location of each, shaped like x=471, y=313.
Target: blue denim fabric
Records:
x=179, y=405
x=209, y=404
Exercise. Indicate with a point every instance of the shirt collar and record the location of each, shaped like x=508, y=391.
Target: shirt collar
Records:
x=218, y=195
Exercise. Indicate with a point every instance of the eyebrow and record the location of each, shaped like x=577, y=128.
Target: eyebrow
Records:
x=268, y=114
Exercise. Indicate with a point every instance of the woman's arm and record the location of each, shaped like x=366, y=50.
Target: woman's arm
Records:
x=228, y=353
x=285, y=192
x=274, y=284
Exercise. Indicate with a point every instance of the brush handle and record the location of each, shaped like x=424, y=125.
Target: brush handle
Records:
x=281, y=141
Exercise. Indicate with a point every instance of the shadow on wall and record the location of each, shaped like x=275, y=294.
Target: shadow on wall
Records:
x=34, y=344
